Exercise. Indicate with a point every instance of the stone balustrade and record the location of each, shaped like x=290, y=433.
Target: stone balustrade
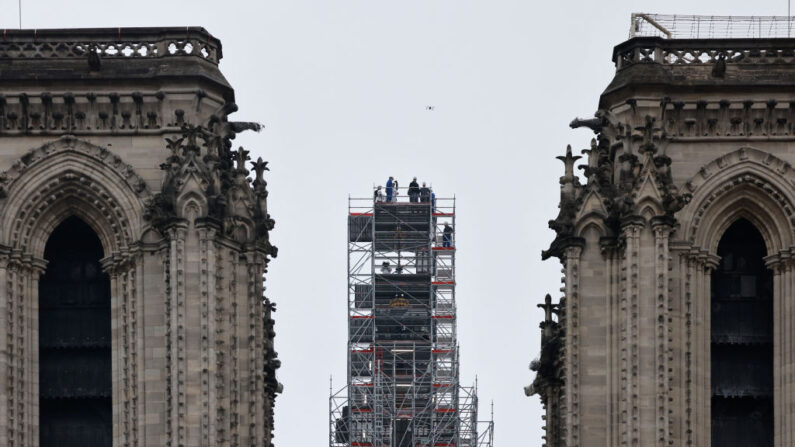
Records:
x=703, y=51
x=110, y=43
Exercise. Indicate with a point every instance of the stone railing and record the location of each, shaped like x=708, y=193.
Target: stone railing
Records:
x=703, y=51
x=110, y=43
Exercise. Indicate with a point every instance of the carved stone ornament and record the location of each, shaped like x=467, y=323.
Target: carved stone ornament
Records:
x=206, y=179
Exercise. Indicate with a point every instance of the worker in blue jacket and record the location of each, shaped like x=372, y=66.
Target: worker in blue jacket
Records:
x=389, y=184
x=447, y=236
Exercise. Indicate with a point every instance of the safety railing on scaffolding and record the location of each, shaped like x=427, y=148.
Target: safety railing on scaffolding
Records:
x=402, y=383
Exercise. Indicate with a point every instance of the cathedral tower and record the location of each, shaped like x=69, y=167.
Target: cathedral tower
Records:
x=132, y=245
x=676, y=322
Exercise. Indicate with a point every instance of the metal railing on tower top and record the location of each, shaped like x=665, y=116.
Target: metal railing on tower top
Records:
x=710, y=27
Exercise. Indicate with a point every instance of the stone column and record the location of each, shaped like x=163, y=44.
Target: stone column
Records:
x=236, y=339
x=138, y=330
x=210, y=330
x=612, y=256
x=220, y=309
x=571, y=289
x=177, y=360
x=681, y=341
x=117, y=350
x=698, y=298
x=20, y=274
x=125, y=291
x=124, y=287
x=787, y=361
x=629, y=308
x=6, y=409
x=783, y=347
x=256, y=380
x=14, y=402
x=662, y=230
x=30, y=328
x=154, y=341
x=781, y=291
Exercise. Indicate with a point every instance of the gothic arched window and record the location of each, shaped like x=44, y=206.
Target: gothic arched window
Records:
x=742, y=341
x=74, y=341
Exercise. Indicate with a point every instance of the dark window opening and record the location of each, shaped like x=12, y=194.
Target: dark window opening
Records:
x=742, y=341
x=74, y=341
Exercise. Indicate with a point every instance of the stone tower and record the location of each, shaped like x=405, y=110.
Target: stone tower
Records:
x=132, y=245
x=676, y=322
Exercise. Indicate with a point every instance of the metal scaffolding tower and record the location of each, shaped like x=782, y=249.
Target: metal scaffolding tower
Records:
x=403, y=388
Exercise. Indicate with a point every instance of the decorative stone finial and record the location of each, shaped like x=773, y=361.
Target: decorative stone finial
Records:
x=241, y=159
x=549, y=308
x=568, y=161
x=593, y=160
x=259, y=167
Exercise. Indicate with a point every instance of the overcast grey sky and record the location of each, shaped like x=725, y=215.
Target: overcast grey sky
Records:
x=342, y=86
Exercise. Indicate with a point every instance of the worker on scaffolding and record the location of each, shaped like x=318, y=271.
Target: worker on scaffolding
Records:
x=447, y=236
x=425, y=194
x=389, y=185
x=378, y=194
x=386, y=268
x=414, y=191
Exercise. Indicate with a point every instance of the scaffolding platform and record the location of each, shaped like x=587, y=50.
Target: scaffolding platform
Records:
x=392, y=223
x=402, y=385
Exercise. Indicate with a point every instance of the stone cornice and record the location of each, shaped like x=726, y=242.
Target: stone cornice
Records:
x=123, y=112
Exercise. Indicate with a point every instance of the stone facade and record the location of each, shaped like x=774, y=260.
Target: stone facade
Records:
x=128, y=130
x=691, y=135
